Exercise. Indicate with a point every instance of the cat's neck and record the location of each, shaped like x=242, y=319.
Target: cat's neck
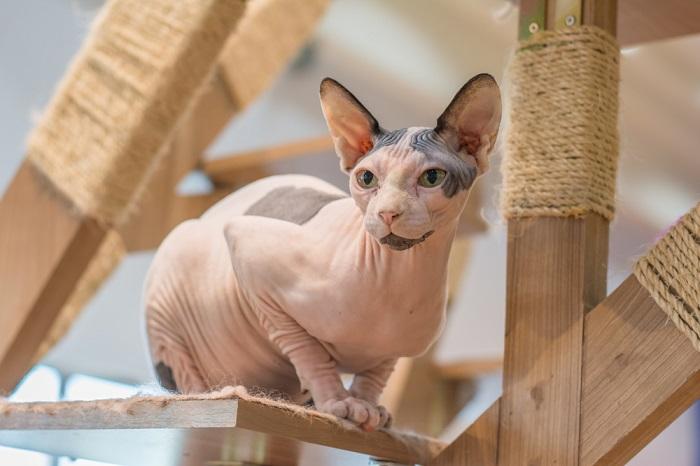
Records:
x=428, y=258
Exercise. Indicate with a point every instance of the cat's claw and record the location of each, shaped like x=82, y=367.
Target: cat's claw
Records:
x=363, y=413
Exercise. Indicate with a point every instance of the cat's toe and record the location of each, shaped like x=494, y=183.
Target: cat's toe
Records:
x=336, y=407
x=385, y=418
x=358, y=411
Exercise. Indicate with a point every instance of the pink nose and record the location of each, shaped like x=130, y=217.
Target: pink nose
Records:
x=388, y=216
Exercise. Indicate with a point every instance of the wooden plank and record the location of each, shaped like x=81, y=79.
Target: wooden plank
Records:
x=639, y=374
x=44, y=248
x=227, y=169
x=208, y=430
x=641, y=21
x=477, y=446
x=556, y=272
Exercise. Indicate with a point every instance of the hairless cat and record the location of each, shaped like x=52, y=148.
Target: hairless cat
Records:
x=289, y=282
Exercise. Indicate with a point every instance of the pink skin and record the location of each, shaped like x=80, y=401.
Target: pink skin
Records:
x=241, y=299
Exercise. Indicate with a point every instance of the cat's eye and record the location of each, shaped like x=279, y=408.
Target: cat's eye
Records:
x=366, y=179
x=432, y=177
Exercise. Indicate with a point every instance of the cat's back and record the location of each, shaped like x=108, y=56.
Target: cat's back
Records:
x=194, y=260
x=286, y=197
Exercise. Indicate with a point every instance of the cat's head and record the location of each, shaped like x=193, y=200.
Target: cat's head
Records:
x=412, y=181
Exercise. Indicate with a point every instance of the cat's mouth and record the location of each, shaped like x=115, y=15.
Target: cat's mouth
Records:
x=399, y=243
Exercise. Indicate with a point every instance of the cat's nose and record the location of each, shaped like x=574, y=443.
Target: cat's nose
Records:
x=388, y=216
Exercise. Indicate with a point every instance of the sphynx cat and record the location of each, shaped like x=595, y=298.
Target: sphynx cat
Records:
x=289, y=282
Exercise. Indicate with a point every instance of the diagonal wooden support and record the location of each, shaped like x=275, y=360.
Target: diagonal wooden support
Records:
x=44, y=249
x=639, y=374
x=91, y=154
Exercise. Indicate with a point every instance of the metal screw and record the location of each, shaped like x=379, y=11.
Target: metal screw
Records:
x=570, y=20
x=533, y=28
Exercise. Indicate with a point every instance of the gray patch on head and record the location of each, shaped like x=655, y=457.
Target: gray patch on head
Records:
x=400, y=243
x=460, y=174
x=292, y=204
x=388, y=138
x=165, y=377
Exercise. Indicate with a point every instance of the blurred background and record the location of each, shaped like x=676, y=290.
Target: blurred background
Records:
x=404, y=59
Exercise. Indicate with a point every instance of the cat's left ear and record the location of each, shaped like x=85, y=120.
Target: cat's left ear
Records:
x=352, y=127
x=470, y=123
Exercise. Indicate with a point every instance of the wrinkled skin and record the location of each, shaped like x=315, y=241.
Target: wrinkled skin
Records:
x=287, y=300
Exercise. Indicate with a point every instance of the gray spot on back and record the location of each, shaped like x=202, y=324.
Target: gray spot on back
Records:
x=292, y=204
x=460, y=174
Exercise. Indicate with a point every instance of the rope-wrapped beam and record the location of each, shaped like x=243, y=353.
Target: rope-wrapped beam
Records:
x=133, y=85
x=107, y=124
x=111, y=117
x=670, y=271
x=562, y=138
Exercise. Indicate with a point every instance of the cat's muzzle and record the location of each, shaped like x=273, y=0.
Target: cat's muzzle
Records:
x=400, y=243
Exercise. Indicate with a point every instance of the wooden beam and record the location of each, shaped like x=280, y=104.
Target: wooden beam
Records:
x=148, y=233
x=196, y=432
x=227, y=169
x=634, y=21
x=161, y=208
x=44, y=248
x=477, y=446
x=641, y=21
x=639, y=374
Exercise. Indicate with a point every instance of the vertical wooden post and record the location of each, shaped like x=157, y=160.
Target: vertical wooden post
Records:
x=556, y=273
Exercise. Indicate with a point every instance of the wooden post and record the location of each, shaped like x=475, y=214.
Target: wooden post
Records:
x=556, y=273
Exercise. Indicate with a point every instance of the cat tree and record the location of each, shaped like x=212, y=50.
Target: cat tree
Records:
x=588, y=379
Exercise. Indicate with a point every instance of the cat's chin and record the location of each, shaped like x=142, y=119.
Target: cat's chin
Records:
x=399, y=243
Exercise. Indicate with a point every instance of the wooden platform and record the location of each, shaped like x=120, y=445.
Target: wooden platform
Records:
x=162, y=431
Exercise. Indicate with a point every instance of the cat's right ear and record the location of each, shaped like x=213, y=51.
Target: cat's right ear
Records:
x=352, y=127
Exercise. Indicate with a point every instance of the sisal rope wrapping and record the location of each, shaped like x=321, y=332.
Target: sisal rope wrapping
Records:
x=671, y=273
x=105, y=128
x=562, y=142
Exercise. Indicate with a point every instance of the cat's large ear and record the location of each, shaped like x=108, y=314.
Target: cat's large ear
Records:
x=470, y=123
x=352, y=127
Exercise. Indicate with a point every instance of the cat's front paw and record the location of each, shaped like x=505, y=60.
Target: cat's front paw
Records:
x=363, y=413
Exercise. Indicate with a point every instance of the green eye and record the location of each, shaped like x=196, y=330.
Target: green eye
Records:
x=431, y=178
x=366, y=179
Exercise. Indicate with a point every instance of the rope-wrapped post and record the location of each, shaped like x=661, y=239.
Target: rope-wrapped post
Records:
x=562, y=140
x=670, y=271
x=558, y=197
